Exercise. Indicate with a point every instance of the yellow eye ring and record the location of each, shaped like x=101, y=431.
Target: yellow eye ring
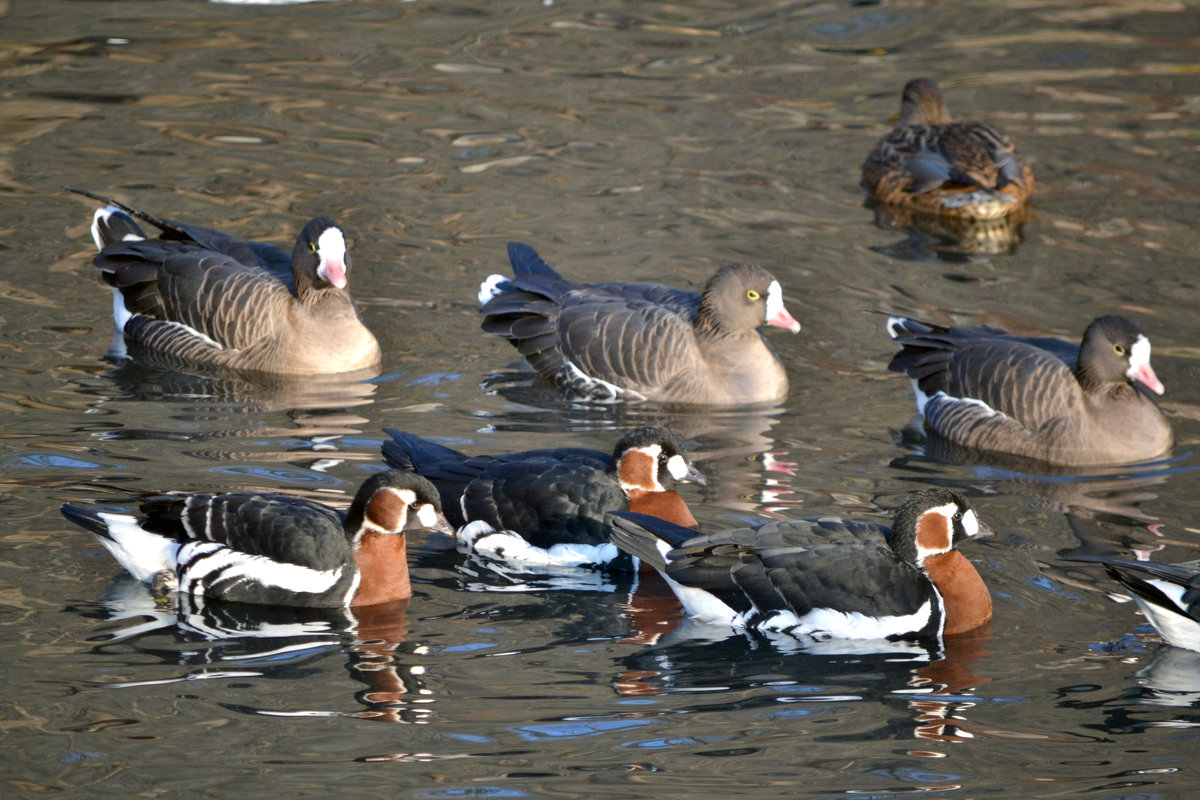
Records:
x=752, y=295
x=312, y=246
x=1120, y=350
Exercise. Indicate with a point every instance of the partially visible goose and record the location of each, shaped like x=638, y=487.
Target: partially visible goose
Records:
x=642, y=341
x=548, y=507
x=825, y=578
x=1168, y=594
x=272, y=549
x=196, y=297
x=954, y=169
x=1038, y=398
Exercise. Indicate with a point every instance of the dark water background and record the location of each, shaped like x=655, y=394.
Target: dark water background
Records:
x=640, y=141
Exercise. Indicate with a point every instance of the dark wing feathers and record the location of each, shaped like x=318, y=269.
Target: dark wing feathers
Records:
x=546, y=316
x=1028, y=380
x=546, y=501
x=210, y=292
x=286, y=529
x=636, y=345
x=538, y=493
x=792, y=566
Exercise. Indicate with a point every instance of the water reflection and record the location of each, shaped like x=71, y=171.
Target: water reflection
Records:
x=935, y=238
x=224, y=640
x=811, y=684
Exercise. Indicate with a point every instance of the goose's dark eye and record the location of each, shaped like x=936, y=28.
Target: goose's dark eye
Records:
x=1120, y=349
x=752, y=295
x=958, y=515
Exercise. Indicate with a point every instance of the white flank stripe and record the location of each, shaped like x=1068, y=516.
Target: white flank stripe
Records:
x=240, y=567
x=140, y=552
x=847, y=625
x=193, y=332
x=478, y=537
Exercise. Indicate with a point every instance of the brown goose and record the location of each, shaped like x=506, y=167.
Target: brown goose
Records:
x=198, y=298
x=642, y=341
x=1038, y=398
x=954, y=169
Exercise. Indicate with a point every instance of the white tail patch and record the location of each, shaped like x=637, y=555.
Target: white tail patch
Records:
x=490, y=287
x=141, y=553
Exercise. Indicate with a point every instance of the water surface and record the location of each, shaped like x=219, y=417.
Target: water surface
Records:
x=641, y=141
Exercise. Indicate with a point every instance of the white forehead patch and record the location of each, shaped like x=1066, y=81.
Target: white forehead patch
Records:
x=331, y=244
x=678, y=467
x=970, y=523
x=1139, y=354
x=774, y=299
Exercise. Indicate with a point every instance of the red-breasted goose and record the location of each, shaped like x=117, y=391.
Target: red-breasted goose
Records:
x=953, y=169
x=198, y=298
x=1168, y=594
x=548, y=507
x=825, y=578
x=643, y=341
x=1038, y=398
x=272, y=549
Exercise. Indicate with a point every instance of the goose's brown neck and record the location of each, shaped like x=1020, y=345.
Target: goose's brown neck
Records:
x=382, y=560
x=966, y=599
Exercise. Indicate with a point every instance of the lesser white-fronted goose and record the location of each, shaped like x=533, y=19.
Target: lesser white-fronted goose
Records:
x=642, y=341
x=548, y=507
x=1038, y=398
x=1168, y=594
x=272, y=549
x=198, y=298
x=827, y=577
x=952, y=169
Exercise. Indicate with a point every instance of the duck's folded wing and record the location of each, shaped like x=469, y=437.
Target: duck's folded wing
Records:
x=290, y=530
x=637, y=346
x=544, y=500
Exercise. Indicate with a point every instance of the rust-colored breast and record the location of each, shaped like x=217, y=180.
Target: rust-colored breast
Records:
x=383, y=568
x=967, y=600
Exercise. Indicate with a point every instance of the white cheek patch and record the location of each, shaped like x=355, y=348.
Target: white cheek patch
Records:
x=678, y=467
x=774, y=300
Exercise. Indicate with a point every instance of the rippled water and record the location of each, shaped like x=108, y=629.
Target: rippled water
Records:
x=643, y=141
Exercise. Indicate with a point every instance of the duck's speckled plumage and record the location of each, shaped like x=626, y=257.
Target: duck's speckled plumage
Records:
x=625, y=341
x=198, y=298
x=1037, y=398
x=955, y=169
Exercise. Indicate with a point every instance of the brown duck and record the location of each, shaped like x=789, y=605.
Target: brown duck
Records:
x=1038, y=398
x=641, y=341
x=955, y=169
x=196, y=298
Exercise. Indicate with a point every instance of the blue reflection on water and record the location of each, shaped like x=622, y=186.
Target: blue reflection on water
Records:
x=569, y=730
